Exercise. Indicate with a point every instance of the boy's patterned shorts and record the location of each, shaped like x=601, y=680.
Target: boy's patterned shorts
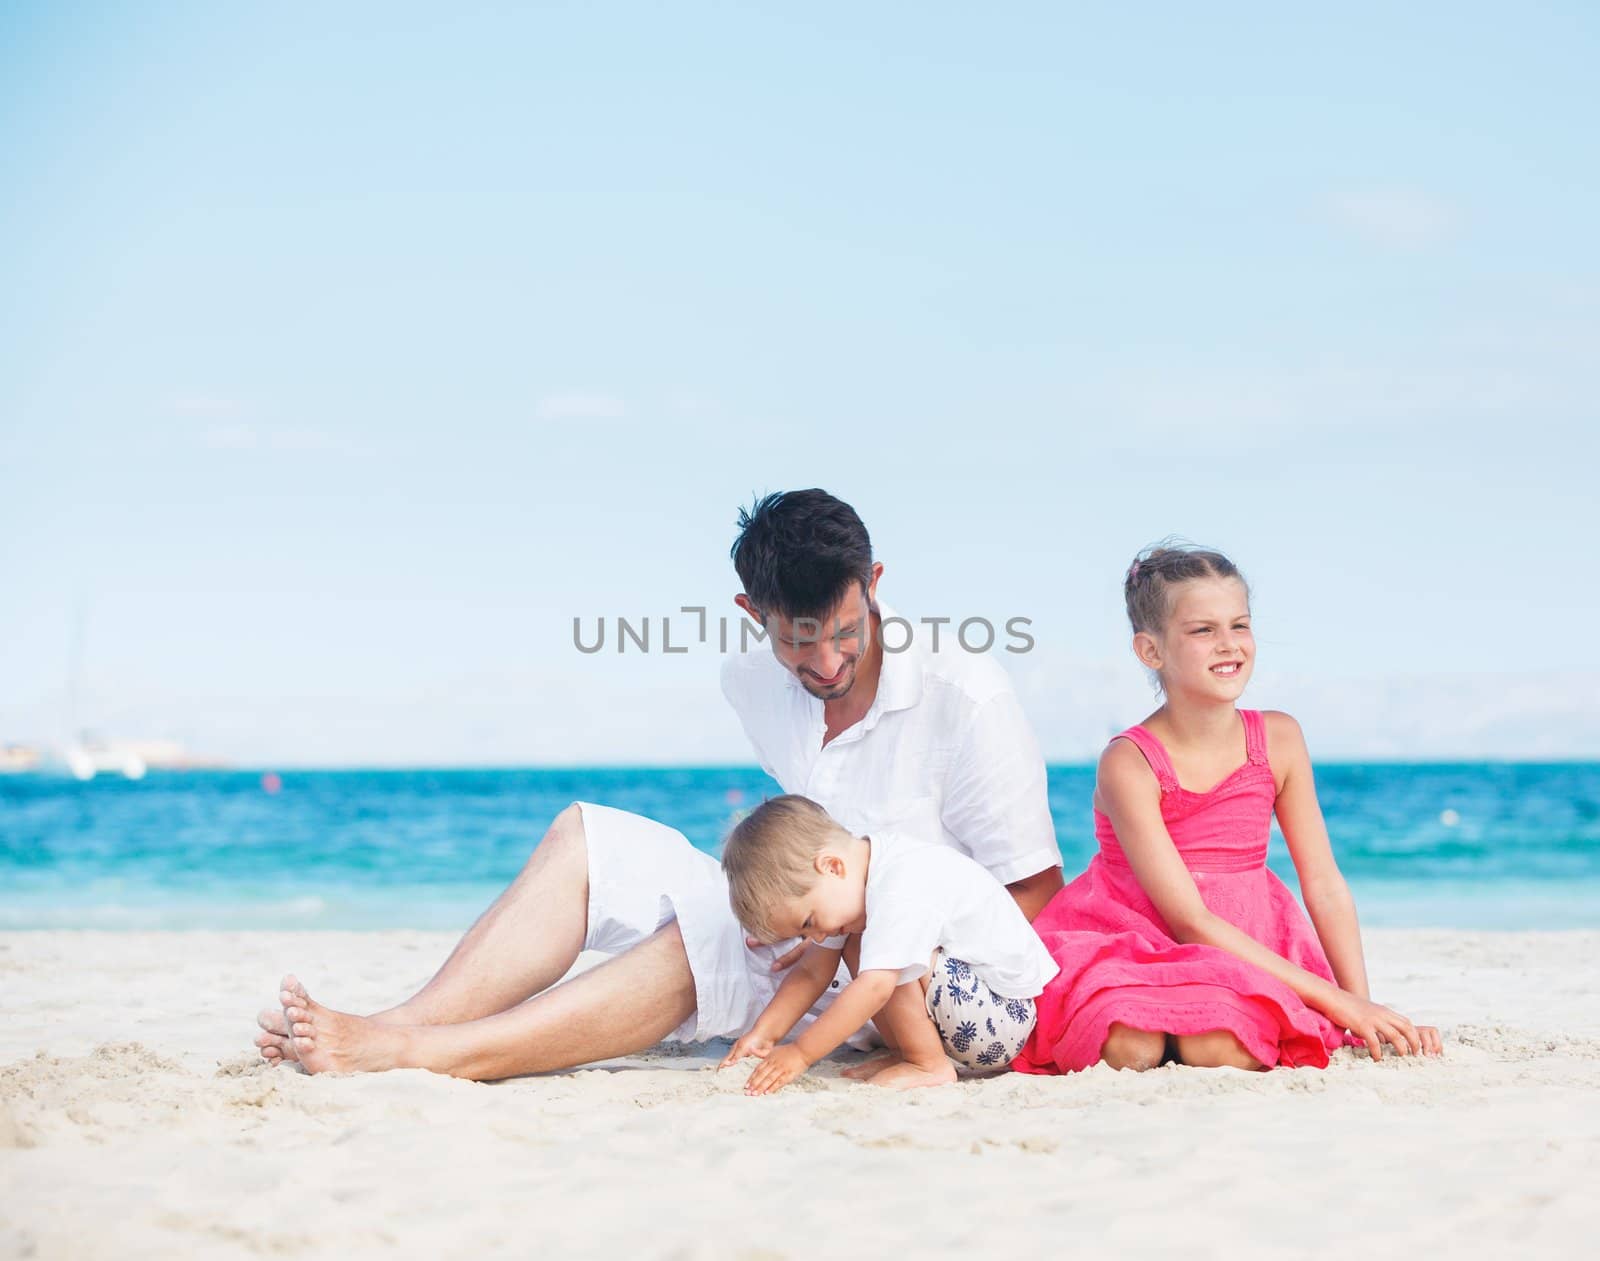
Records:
x=981, y=1030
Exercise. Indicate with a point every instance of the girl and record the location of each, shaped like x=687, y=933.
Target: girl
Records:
x=1177, y=942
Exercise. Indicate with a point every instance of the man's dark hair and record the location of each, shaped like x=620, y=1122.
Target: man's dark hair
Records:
x=799, y=551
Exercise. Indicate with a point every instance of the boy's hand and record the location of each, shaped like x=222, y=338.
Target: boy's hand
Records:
x=777, y=1070
x=752, y=1043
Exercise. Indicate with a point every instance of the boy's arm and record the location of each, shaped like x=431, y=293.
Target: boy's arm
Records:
x=806, y=982
x=861, y=1000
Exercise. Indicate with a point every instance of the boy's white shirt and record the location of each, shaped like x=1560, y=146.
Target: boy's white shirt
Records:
x=923, y=897
x=944, y=753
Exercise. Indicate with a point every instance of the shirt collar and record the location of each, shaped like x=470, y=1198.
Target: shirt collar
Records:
x=900, y=679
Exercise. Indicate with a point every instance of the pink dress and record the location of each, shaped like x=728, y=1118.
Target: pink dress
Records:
x=1120, y=964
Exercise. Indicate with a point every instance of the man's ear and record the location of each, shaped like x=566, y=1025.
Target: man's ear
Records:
x=1147, y=650
x=743, y=601
x=872, y=586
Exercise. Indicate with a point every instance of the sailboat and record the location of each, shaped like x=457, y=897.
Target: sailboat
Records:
x=88, y=755
x=91, y=757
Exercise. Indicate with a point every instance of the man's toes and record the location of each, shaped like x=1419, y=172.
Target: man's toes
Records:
x=304, y=1029
x=271, y=1019
x=273, y=1040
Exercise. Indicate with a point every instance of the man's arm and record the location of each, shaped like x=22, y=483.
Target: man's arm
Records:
x=1033, y=892
x=997, y=806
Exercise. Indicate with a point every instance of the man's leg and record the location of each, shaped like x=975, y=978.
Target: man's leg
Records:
x=524, y=943
x=625, y=1005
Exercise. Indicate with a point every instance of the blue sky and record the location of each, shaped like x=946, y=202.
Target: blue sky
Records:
x=345, y=357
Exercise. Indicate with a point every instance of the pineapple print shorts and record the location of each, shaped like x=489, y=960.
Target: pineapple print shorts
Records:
x=981, y=1030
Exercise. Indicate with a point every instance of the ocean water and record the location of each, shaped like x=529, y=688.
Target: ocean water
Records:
x=1457, y=845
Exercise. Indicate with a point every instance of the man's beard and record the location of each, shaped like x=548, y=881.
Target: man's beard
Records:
x=837, y=691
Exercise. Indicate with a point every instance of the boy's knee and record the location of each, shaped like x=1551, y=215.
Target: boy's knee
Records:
x=1134, y=1049
x=1216, y=1049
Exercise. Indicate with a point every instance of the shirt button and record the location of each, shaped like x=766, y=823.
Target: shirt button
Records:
x=833, y=985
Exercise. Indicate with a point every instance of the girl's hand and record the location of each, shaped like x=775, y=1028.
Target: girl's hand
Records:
x=1375, y=1025
x=751, y=1044
x=777, y=1070
x=1432, y=1043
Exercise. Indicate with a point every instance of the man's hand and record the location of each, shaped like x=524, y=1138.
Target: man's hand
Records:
x=781, y=1067
x=783, y=961
x=752, y=1044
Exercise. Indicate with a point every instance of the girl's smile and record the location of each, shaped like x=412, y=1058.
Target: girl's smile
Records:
x=1206, y=648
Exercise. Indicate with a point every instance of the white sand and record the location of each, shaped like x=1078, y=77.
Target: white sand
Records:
x=136, y=1120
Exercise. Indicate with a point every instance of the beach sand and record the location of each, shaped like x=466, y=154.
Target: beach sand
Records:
x=136, y=1119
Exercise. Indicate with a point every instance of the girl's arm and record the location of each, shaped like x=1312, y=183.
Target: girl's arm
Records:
x=802, y=987
x=861, y=1000
x=1327, y=896
x=1322, y=885
x=1132, y=800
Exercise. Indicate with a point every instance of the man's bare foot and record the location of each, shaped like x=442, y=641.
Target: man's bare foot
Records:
x=908, y=1076
x=871, y=1067
x=275, y=1040
x=326, y=1041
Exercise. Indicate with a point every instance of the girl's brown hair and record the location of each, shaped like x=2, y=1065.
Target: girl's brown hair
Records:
x=1161, y=569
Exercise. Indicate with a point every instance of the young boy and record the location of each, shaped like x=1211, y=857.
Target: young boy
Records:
x=948, y=965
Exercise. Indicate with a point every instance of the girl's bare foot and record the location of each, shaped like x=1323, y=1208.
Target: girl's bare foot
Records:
x=275, y=1040
x=327, y=1041
x=908, y=1076
x=872, y=1066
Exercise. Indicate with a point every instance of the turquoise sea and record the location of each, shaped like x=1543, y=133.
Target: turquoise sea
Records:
x=1458, y=845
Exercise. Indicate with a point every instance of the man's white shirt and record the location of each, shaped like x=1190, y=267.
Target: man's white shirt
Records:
x=944, y=755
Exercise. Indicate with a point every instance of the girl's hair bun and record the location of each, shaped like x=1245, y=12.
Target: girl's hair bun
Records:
x=1158, y=569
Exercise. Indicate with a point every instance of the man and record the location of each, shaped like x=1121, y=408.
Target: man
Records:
x=932, y=745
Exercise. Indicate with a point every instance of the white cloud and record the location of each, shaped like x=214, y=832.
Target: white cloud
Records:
x=1413, y=717
x=1540, y=371
x=1396, y=217
x=579, y=406
x=297, y=441
x=232, y=437
x=209, y=405
x=1489, y=717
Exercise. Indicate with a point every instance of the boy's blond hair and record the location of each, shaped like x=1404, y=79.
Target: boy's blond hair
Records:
x=770, y=858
